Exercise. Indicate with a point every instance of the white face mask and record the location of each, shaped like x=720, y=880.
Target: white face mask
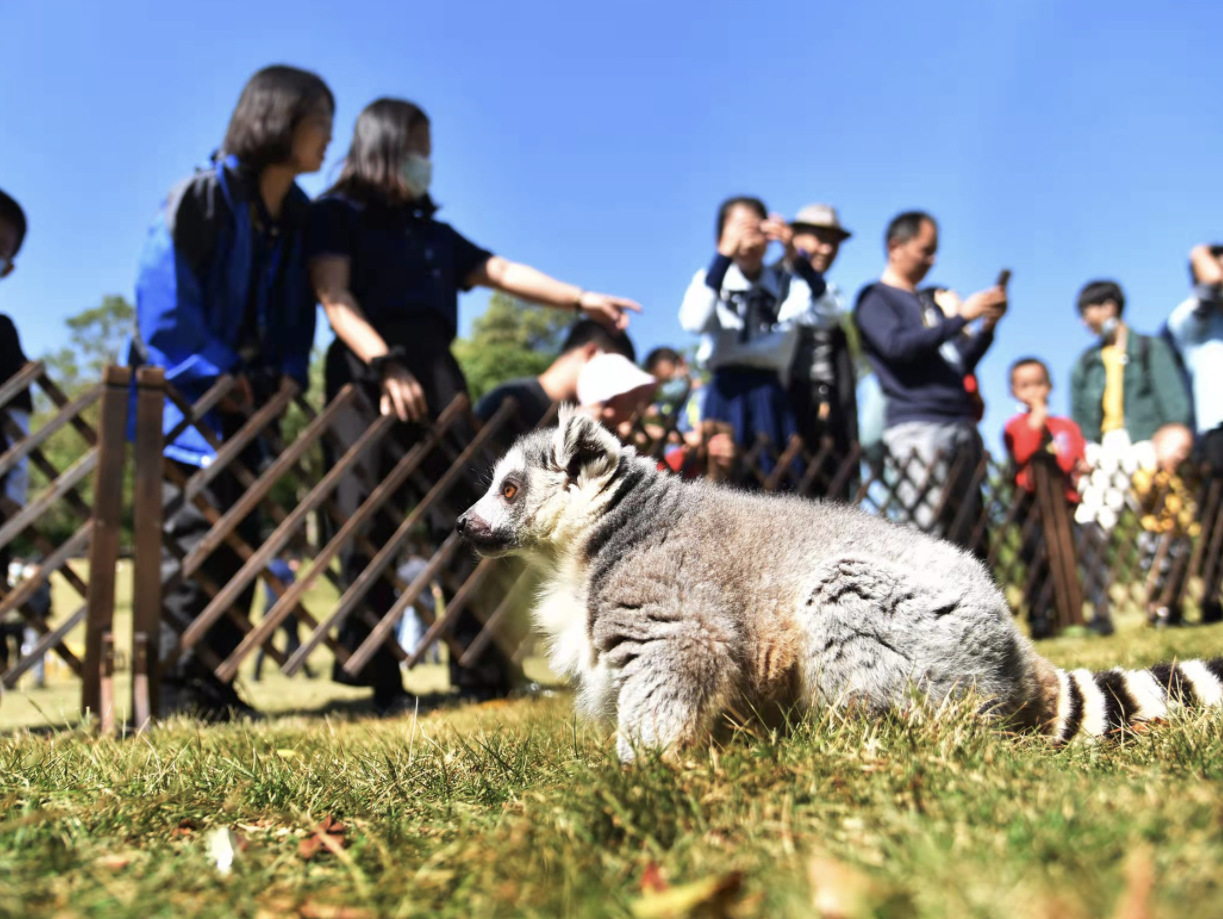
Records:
x=417, y=173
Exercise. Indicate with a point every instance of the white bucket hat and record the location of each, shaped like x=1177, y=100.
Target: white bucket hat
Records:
x=607, y=376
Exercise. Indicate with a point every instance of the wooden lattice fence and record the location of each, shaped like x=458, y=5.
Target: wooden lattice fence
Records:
x=97, y=522
x=354, y=493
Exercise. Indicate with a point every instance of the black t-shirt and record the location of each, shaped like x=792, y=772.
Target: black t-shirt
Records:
x=405, y=266
x=533, y=403
x=12, y=359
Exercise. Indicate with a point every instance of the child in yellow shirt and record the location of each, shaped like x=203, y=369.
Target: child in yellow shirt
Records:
x=1168, y=515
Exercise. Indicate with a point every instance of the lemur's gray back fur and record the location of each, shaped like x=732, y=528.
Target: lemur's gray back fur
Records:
x=675, y=602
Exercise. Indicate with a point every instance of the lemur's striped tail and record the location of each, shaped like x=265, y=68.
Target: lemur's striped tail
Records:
x=1095, y=704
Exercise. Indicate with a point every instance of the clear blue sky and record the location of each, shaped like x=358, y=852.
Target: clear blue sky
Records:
x=1064, y=140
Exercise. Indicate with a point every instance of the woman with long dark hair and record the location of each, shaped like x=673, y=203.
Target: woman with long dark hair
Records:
x=388, y=275
x=222, y=289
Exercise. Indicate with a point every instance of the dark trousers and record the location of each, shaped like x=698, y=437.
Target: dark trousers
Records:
x=428, y=358
x=10, y=630
x=293, y=641
x=1167, y=558
x=187, y=527
x=1091, y=543
x=1212, y=522
x=1037, y=581
x=809, y=400
x=754, y=403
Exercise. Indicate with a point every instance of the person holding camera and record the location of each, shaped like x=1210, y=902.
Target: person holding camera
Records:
x=222, y=289
x=1196, y=328
x=823, y=383
x=735, y=305
x=921, y=355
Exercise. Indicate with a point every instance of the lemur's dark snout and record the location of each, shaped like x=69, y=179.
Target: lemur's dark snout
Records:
x=474, y=528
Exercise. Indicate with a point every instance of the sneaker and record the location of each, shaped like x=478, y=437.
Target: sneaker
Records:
x=488, y=679
x=1040, y=627
x=1164, y=617
x=393, y=704
x=1101, y=627
x=211, y=701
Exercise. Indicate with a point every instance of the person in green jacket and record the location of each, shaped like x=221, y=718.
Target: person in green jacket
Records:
x=1125, y=381
x=1123, y=389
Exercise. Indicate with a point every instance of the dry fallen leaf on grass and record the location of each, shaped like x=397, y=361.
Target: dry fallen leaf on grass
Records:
x=327, y=835
x=331, y=825
x=286, y=908
x=311, y=910
x=652, y=880
x=114, y=862
x=839, y=891
x=712, y=896
x=1135, y=902
x=309, y=847
x=186, y=827
x=1053, y=906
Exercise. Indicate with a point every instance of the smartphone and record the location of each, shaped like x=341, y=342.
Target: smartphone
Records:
x=1004, y=277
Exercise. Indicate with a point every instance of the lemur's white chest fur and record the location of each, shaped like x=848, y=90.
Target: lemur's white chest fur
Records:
x=562, y=614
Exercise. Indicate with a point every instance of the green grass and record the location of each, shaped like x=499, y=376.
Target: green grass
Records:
x=58, y=703
x=518, y=809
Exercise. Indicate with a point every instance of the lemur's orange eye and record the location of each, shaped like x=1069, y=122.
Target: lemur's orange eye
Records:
x=508, y=490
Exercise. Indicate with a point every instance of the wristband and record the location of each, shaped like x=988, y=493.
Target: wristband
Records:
x=394, y=356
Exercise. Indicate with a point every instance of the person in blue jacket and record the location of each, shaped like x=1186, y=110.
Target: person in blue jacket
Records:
x=222, y=289
x=388, y=276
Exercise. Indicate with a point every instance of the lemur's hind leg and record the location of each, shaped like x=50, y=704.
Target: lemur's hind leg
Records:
x=674, y=678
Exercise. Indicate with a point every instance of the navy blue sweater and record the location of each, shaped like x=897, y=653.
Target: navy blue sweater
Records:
x=904, y=351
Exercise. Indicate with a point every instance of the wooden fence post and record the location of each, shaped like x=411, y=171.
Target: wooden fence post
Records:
x=104, y=541
x=1059, y=539
x=146, y=545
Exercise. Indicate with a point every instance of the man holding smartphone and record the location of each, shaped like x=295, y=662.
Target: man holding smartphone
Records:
x=921, y=356
x=1196, y=328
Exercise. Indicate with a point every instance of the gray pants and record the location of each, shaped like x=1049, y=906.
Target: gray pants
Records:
x=938, y=482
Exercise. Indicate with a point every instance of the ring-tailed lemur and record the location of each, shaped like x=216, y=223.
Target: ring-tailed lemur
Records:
x=673, y=603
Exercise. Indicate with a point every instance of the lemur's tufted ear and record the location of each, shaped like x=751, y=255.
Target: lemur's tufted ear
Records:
x=584, y=448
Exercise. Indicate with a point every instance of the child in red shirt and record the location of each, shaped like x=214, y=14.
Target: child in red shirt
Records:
x=1035, y=429
x=1026, y=434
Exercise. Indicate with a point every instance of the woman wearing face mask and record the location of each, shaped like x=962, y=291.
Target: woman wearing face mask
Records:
x=734, y=305
x=222, y=289
x=388, y=275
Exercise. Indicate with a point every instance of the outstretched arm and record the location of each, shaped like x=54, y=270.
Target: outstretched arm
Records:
x=534, y=286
